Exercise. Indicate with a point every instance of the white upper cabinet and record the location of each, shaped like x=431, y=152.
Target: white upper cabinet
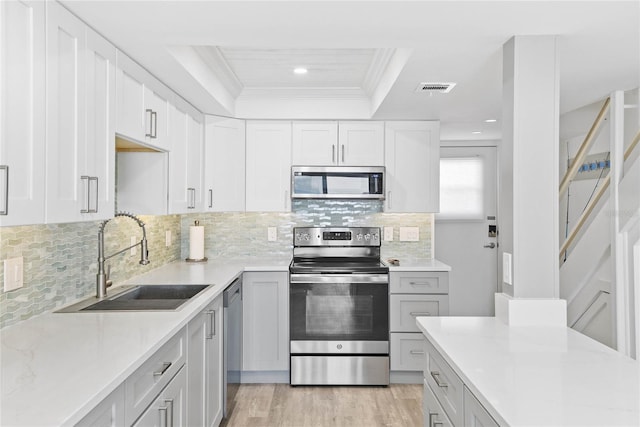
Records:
x=329, y=143
x=80, y=134
x=361, y=143
x=22, y=112
x=143, y=105
x=185, y=161
x=315, y=143
x=268, y=166
x=224, y=156
x=412, y=160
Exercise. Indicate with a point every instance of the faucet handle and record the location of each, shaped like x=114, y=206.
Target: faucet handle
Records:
x=108, y=282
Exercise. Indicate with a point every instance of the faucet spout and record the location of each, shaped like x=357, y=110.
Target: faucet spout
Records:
x=102, y=278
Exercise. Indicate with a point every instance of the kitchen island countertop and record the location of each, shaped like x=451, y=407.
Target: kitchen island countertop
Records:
x=535, y=375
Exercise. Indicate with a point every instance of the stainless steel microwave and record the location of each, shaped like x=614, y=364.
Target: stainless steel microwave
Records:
x=337, y=182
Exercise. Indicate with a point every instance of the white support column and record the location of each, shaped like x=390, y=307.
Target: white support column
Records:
x=619, y=253
x=529, y=183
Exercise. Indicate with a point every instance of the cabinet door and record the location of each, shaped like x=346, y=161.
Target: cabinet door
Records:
x=475, y=415
x=108, y=413
x=224, y=164
x=100, y=126
x=205, y=364
x=407, y=352
x=66, y=190
x=361, y=143
x=22, y=107
x=156, y=116
x=412, y=163
x=170, y=407
x=268, y=166
x=179, y=196
x=315, y=143
x=130, y=109
x=194, y=164
x=265, y=322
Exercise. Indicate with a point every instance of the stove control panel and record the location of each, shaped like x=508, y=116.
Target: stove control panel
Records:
x=336, y=236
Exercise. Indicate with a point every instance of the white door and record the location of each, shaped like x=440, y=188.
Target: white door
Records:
x=463, y=228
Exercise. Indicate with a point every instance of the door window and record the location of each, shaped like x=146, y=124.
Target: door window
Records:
x=462, y=188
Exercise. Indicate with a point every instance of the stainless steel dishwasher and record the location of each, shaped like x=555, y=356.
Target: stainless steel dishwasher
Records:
x=232, y=300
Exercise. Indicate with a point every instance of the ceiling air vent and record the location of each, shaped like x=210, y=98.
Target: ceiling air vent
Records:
x=435, y=87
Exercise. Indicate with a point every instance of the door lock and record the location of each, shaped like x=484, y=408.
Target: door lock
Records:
x=490, y=245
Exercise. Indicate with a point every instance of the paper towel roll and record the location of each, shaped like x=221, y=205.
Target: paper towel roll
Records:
x=196, y=242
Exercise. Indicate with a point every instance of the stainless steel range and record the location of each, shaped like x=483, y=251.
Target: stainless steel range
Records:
x=339, y=307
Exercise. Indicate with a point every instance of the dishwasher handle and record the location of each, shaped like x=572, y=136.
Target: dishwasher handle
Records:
x=233, y=292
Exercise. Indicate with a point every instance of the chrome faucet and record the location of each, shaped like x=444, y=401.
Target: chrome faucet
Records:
x=102, y=278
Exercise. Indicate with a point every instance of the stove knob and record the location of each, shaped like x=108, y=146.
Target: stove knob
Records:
x=306, y=237
x=367, y=236
x=374, y=237
x=359, y=236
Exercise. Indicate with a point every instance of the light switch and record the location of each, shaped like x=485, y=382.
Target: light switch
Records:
x=388, y=234
x=272, y=234
x=13, y=273
x=507, y=275
x=409, y=234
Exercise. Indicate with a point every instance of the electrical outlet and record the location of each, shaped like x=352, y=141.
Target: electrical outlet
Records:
x=134, y=249
x=409, y=234
x=388, y=234
x=13, y=273
x=167, y=238
x=272, y=234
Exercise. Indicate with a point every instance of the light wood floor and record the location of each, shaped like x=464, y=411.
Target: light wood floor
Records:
x=283, y=405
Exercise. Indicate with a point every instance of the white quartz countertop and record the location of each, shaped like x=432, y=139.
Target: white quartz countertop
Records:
x=56, y=367
x=542, y=376
x=419, y=265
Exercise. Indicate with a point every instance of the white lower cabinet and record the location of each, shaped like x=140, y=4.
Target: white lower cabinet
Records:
x=265, y=321
x=447, y=401
x=109, y=413
x=169, y=409
x=204, y=366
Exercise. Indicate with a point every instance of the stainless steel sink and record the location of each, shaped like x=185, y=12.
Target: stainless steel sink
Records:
x=140, y=298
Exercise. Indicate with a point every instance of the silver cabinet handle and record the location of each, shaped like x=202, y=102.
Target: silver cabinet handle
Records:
x=212, y=324
x=416, y=352
x=333, y=153
x=490, y=245
x=210, y=197
x=163, y=416
x=436, y=377
x=154, y=120
x=89, y=179
x=342, y=153
x=191, y=203
x=150, y=112
x=169, y=413
x=419, y=283
x=419, y=313
x=165, y=366
x=94, y=178
x=5, y=209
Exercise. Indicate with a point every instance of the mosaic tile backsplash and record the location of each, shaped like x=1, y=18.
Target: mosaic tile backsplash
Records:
x=60, y=260
x=243, y=234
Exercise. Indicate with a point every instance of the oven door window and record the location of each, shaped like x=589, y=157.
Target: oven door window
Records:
x=339, y=311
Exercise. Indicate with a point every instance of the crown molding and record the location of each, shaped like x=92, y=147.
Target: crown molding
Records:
x=304, y=93
x=213, y=57
x=376, y=70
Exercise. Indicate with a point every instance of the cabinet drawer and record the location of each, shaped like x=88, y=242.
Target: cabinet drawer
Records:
x=407, y=351
x=433, y=413
x=142, y=387
x=445, y=383
x=404, y=309
x=419, y=282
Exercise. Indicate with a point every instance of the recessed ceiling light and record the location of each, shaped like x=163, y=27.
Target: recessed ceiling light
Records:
x=476, y=132
x=490, y=120
x=300, y=70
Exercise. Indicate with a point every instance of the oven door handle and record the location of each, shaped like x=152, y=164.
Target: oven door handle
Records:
x=338, y=278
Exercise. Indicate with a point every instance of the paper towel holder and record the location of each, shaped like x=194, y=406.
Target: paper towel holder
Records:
x=205, y=259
